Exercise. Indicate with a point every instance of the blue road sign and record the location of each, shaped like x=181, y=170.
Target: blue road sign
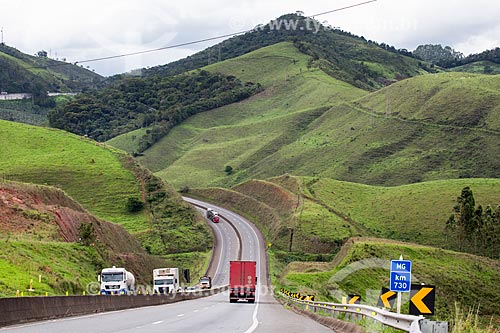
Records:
x=400, y=276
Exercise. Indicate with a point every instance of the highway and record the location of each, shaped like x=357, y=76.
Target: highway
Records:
x=209, y=314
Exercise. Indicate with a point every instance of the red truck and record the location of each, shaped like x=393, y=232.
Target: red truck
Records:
x=212, y=215
x=242, y=281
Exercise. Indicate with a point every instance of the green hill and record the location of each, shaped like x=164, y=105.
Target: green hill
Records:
x=248, y=133
x=104, y=180
x=439, y=126
x=44, y=232
x=458, y=277
x=23, y=73
x=316, y=215
x=478, y=67
x=353, y=59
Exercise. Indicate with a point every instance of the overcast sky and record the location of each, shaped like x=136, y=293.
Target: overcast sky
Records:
x=97, y=28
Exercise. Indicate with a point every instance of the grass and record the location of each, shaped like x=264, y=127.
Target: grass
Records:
x=429, y=127
x=62, y=266
x=322, y=212
x=23, y=111
x=89, y=172
x=197, y=262
x=439, y=98
x=243, y=134
x=460, y=277
x=478, y=67
x=128, y=142
x=415, y=213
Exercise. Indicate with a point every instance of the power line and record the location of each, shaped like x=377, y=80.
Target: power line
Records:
x=192, y=42
x=339, y=9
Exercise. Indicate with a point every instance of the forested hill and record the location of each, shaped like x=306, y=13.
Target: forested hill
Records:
x=355, y=60
x=160, y=102
x=23, y=73
x=448, y=58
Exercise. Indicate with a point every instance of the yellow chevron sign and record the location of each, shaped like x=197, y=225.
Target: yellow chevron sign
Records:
x=386, y=298
x=422, y=299
x=354, y=299
x=297, y=295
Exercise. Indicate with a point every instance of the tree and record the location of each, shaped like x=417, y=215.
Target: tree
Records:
x=436, y=54
x=87, y=233
x=42, y=54
x=134, y=205
x=475, y=229
x=228, y=170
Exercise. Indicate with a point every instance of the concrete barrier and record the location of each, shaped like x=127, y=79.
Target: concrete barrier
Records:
x=25, y=309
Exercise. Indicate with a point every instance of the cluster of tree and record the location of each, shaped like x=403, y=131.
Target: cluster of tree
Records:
x=341, y=54
x=437, y=54
x=447, y=57
x=131, y=103
x=475, y=229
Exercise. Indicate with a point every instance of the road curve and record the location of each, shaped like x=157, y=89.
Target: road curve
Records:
x=209, y=314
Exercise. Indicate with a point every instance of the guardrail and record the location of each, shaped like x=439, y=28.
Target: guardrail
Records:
x=407, y=323
x=18, y=310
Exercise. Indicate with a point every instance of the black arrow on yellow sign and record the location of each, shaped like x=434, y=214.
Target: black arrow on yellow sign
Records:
x=354, y=299
x=422, y=299
x=386, y=298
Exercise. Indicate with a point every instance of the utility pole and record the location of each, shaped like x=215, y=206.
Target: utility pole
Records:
x=219, y=53
x=2, y=35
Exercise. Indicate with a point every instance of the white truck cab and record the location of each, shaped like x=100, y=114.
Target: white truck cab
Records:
x=116, y=281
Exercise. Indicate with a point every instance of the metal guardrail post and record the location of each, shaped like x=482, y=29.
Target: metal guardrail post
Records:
x=402, y=322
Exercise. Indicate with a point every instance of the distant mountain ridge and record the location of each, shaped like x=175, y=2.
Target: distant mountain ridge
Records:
x=23, y=73
x=340, y=54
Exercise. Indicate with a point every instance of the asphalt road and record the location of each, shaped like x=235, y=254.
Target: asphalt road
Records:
x=209, y=314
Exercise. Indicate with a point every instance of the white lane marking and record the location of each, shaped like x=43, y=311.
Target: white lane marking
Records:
x=221, y=253
x=157, y=322
x=180, y=315
x=196, y=310
x=255, y=321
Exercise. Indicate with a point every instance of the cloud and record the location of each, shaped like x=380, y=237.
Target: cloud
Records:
x=95, y=28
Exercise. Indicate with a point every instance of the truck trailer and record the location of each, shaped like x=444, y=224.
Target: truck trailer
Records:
x=116, y=281
x=165, y=280
x=213, y=215
x=242, y=281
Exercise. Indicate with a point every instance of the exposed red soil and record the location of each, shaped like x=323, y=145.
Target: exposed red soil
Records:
x=26, y=209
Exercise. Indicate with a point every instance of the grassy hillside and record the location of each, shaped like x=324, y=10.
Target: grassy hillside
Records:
x=478, y=67
x=130, y=141
x=415, y=213
x=24, y=111
x=247, y=134
x=439, y=126
x=103, y=180
x=344, y=56
x=22, y=261
x=21, y=72
x=89, y=172
x=44, y=232
x=315, y=215
x=458, y=277
x=453, y=99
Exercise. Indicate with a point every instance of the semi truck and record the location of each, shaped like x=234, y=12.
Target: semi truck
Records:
x=116, y=281
x=213, y=215
x=205, y=282
x=242, y=281
x=165, y=280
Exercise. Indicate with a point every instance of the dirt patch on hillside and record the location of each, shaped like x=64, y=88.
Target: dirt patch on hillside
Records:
x=46, y=213
x=273, y=195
